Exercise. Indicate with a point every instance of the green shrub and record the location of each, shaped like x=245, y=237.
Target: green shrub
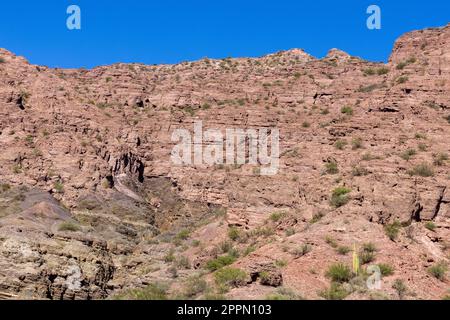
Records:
x=331, y=168
x=359, y=171
x=343, y=250
x=306, y=124
x=69, y=226
x=170, y=257
x=151, y=292
x=194, y=286
x=369, y=72
x=400, y=287
x=438, y=270
x=230, y=277
x=316, y=217
x=335, y=292
x=276, y=216
x=357, y=143
x=58, y=186
x=220, y=262
x=331, y=241
x=347, y=110
x=183, y=262
x=440, y=159
x=366, y=257
x=422, y=170
x=386, y=269
x=283, y=294
x=392, y=230
x=402, y=79
x=339, y=272
x=340, y=197
x=430, y=225
x=183, y=235
x=234, y=233
x=407, y=154
x=382, y=71
x=302, y=250
x=340, y=144
x=2, y=60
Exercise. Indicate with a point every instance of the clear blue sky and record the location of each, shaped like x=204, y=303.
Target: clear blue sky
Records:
x=169, y=31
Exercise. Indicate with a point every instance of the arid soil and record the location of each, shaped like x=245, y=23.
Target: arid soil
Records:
x=91, y=206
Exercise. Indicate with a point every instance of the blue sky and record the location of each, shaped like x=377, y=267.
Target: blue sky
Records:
x=169, y=31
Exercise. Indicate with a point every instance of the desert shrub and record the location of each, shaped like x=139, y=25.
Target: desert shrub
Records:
x=183, y=235
x=331, y=241
x=422, y=170
x=276, y=216
x=2, y=60
x=400, y=287
x=340, y=197
x=369, y=72
x=401, y=65
x=347, y=110
x=220, y=262
x=68, y=226
x=430, y=225
x=340, y=144
x=316, y=217
x=386, y=269
x=438, y=270
x=382, y=71
x=331, y=168
x=392, y=230
x=194, y=286
x=402, y=79
x=359, y=171
x=230, y=277
x=343, y=250
x=366, y=256
x=151, y=292
x=283, y=294
x=422, y=147
x=335, y=292
x=302, y=250
x=306, y=124
x=407, y=154
x=169, y=257
x=234, y=233
x=4, y=187
x=339, y=272
x=281, y=263
x=440, y=159
x=183, y=262
x=447, y=118
x=225, y=246
x=357, y=143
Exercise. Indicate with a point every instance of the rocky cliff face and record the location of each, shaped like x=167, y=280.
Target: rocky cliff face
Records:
x=91, y=204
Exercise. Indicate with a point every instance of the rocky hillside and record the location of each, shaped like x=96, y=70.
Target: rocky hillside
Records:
x=91, y=206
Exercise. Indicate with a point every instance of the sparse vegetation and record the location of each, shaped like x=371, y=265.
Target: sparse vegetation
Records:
x=430, y=225
x=194, y=286
x=151, y=292
x=407, y=154
x=343, y=250
x=316, y=217
x=339, y=273
x=438, y=270
x=58, y=186
x=340, y=197
x=422, y=170
x=359, y=171
x=386, y=269
x=302, y=250
x=335, y=292
x=230, y=277
x=220, y=262
x=357, y=143
x=440, y=159
x=276, y=216
x=400, y=287
x=340, y=144
x=69, y=226
x=393, y=229
x=331, y=168
x=347, y=110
